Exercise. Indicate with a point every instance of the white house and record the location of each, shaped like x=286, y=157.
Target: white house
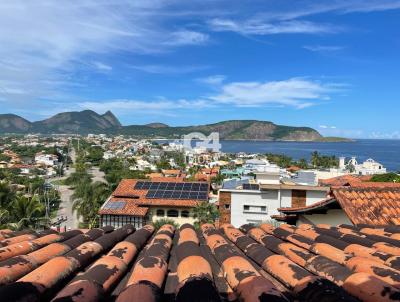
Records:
x=368, y=167
x=48, y=160
x=258, y=202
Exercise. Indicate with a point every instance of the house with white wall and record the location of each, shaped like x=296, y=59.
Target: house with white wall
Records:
x=260, y=201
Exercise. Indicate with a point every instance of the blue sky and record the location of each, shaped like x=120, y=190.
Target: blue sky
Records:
x=331, y=65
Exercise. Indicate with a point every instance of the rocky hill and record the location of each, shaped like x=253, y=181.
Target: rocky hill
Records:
x=88, y=121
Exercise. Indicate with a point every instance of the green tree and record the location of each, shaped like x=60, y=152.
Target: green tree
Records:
x=7, y=195
x=160, y=222
x=26, y=212
x=387, y=177
x=205, y=212
x=87, y=199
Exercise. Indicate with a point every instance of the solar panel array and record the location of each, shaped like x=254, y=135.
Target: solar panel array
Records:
x=114, y=205
x=251, y=187
x=174, y=190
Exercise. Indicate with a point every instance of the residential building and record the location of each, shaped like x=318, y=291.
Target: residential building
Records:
x=47, y=160
x=142, y=201
x=260, y=200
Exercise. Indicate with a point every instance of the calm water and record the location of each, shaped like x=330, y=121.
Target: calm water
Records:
x=387, y=152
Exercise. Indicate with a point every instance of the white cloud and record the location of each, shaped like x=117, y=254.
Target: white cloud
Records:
x=323, y=48
x=259, y=27
x=327, y=127
x=126, y=106
x=387, y=135
x=101, y=66
x=168, y=69
x=217, y=79
x=186, y=37
x=296, y=92
x=43, y=43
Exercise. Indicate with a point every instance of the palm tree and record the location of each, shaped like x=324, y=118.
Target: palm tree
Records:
x=205, y=213
x=26, y=212
x=87, y=199
x=6, y=195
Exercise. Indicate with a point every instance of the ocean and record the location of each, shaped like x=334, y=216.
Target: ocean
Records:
x=386, y=152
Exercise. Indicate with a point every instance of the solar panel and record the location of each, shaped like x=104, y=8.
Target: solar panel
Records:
x=187, y=186
x=251, y=187
x=171, y=186
x=151, y=193
x=159, y=194
x=139, y=185
x=162, y=185
x=175, y=190
x=203, y=186
x=168, y=194
x=195, y=187
x=114, y=205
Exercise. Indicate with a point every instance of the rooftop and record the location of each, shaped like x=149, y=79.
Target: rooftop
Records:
x=136, y=201
x=368, y=203
x=309, y=263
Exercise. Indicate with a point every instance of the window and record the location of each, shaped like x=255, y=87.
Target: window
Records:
x=254, y=209
x=172, y=213
x=160, y=213
x=227, y=206
x=185, y=213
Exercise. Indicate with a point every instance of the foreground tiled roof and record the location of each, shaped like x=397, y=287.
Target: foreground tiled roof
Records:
x=314, y=264
x=136, y=202
x=372, y=205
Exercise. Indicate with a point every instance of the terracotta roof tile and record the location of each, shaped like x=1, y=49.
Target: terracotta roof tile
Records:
x=306, y=263
x=136, y=202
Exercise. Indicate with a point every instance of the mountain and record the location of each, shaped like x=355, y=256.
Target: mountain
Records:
x=11, y=123
x=88, y=121
x=157, y=125
x=235, y=130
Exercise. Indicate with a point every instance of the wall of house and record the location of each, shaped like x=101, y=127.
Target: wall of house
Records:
x=224, y=207
x=311, y=197
x=332, y=217
x=315, y=196
x=255, y=201
x=179, y=220
x=118, y=221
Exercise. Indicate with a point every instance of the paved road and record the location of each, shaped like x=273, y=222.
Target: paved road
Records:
x=65, y=209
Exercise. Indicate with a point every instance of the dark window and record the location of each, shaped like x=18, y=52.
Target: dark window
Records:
x=263, y=209
x=246, y=208
x=172, y=213
x=160, y=213
x=227, y=206
x=184, y=213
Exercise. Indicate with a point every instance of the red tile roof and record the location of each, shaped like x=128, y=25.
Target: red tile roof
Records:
x=136, y=202
x=314, y=264
x=372, y=205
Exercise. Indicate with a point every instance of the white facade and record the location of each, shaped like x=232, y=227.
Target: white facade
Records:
x=370, y=167
x=332, y=217
x=46, y=159
x=250, y=206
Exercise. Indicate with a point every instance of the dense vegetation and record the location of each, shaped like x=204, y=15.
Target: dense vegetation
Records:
x=317, y=161
x=388, y=177
x=27, y=208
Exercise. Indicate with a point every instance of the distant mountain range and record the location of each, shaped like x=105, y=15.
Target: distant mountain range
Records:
x=88, y=121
